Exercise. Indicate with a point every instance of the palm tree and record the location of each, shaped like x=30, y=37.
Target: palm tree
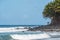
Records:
x=52, y=11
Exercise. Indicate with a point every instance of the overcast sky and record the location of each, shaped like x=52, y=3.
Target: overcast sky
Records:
x=22, y=12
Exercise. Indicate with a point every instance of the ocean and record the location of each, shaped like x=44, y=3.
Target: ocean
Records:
x=2, y=26
x=27, y=35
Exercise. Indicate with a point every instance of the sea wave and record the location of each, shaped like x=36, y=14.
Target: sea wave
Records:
x=38, y=35
x=15, y=33
x=12, y=29
x=30, y=36
x=26, y=36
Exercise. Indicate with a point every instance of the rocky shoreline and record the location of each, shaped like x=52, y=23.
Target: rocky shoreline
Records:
x=46, y=28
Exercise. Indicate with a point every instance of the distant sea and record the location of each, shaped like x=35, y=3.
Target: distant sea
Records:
x=19, y=26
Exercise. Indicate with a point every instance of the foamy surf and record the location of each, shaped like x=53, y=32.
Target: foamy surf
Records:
x=12, y=29
x=30, y=36
x=53, y=33
x=23, y=34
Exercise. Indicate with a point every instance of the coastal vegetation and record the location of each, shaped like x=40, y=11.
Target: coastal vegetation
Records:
x=52, y=11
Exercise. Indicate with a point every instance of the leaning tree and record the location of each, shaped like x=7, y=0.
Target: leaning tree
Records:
x=52, y=11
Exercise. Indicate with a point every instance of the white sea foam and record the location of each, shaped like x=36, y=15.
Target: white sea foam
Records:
x=30, y=36
x=12, y=29
x=53, y=33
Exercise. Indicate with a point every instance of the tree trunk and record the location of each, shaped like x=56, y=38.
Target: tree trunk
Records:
x=55, y=21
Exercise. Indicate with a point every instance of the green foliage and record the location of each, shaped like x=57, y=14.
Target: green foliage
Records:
x=52, y=8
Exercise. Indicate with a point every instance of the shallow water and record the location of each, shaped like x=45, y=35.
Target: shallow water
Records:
x=27, y=35
x=8, y=37
x=37, y=35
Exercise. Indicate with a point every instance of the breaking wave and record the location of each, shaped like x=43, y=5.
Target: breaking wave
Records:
x=16, y=34
x=24, y=36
